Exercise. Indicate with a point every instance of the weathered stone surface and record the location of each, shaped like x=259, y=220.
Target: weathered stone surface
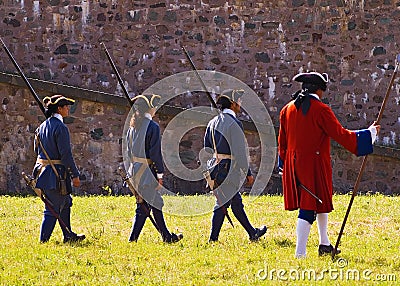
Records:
x=378, y=50
x=262, y=57
x=61, y=50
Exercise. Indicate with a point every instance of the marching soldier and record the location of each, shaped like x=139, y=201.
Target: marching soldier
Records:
x=55, y=167
x=224, y=135
x=144, y=151
x=306, y=126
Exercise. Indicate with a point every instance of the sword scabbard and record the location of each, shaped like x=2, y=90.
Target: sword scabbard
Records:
x=127, y=180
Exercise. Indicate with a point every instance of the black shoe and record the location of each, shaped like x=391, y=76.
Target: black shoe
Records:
x=327, y=249
x=174, y=238
x=74, y=238
x=259, y=233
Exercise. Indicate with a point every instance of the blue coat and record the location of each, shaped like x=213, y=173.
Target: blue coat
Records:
x=54, y=135
x=145, y=142
x=229, y=139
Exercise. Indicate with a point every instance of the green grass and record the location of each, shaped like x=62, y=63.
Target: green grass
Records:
x=370, y=243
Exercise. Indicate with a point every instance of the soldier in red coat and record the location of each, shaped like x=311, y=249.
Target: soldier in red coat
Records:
x=306, y=127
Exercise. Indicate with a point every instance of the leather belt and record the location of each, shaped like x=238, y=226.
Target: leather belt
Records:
x=45, y=162
x=220, y=156
x=141, y=160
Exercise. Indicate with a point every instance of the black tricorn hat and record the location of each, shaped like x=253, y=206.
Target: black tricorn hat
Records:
x=314, y=78
x=232, y=94
x=57, y=100
x=146, y=101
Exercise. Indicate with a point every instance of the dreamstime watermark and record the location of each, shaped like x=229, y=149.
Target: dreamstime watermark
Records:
x=339, y=272
x=192, y=116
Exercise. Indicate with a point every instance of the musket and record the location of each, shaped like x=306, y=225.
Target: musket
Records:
x=209, y=96
x=123, y=174
x=30, y=181
x=358, y=180
x=121, y=82
x=24, y=77
x=211, y=99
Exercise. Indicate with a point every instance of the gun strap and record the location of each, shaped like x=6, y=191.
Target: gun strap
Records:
x=219, y=156
x=45, y=162
x=141, y=160
x=215, y=145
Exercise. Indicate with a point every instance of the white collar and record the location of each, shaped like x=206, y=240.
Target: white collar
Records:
x=148, y=116
x=58, y=116
x=315, y=96
x=229, y=111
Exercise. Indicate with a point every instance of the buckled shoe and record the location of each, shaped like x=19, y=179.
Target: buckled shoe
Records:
x=259, y=233
x=74, y=238
x=327, y=249
x=174, y=238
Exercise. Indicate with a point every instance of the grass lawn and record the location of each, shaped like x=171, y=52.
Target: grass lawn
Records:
x=370, y=246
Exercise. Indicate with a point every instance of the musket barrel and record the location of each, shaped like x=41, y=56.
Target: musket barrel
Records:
x=23, y=77
x=121, y=83
x=210, y=98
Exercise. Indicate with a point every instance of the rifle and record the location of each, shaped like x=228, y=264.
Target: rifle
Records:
x=123, y=174
x=358, y=180
x=30, y=181
x=210, y=98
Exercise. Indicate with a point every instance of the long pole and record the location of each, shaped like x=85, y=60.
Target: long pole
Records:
x=210, y=98
x=358, y=180
x=46, y=201
x=121, y=83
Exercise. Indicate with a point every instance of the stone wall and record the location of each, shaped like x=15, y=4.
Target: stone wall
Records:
x=262, y=43
x=96, y=124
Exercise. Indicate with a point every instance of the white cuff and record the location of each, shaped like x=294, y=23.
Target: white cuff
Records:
x=373, y=131
x=160, y=175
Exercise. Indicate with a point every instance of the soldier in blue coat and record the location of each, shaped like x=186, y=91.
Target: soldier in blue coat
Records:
x=224, y=136
x=146, y=167
x=52, y=137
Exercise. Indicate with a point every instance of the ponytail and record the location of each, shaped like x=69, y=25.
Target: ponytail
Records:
x=50, y=110
x=137, y=118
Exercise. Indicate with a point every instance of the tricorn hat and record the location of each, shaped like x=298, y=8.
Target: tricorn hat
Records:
x=57, y=100
x=146, y=101
x=232, y=94
x=313, y=78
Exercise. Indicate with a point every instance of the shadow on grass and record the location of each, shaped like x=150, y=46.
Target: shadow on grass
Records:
x=82, y=244
x=284, y=242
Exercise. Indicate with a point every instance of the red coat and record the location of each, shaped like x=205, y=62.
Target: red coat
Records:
x=304, y=148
